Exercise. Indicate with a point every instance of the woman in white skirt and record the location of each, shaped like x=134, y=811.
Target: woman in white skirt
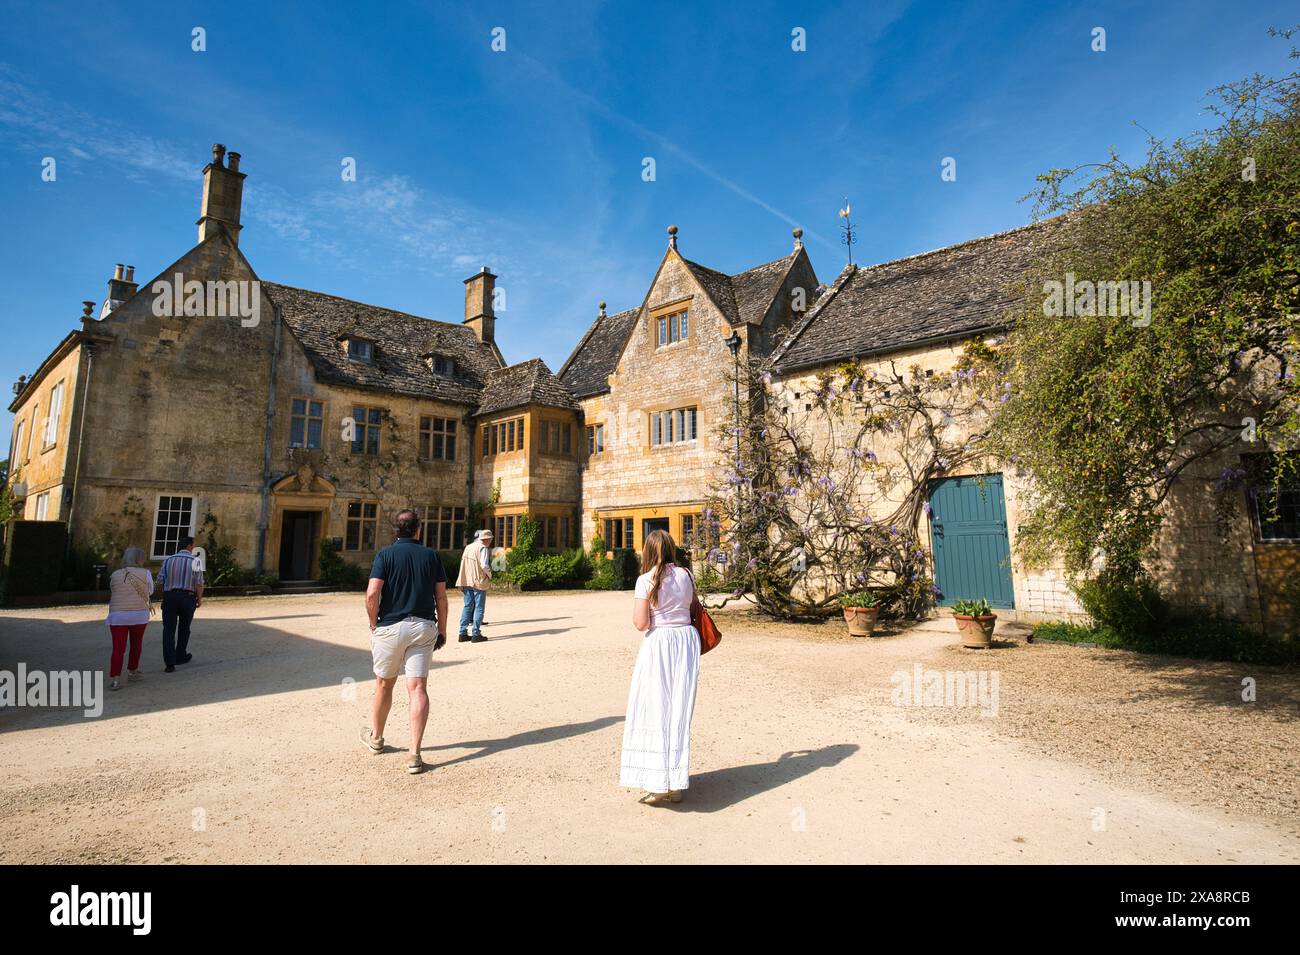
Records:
x=657, y=734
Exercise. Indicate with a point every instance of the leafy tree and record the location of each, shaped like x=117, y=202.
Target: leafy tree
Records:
x=1108, y=412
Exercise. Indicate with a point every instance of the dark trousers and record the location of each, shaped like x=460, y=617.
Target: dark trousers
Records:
x=177, y=608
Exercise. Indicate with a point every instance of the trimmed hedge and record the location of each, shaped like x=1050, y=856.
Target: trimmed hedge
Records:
x=34, y=557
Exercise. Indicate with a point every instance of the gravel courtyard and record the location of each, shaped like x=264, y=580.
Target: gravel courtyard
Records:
x=249, y=753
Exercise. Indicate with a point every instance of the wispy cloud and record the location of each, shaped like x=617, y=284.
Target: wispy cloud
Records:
x=36, y=123
x=661, y=142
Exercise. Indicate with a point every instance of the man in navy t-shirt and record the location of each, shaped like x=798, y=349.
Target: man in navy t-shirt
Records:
x=407, y=606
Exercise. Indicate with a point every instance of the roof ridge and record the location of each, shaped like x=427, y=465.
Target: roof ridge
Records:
x=964, y=243
x=755, y=268
x=353, y=301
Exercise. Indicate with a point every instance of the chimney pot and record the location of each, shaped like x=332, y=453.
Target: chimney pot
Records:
x=117, y=272
x=233, y=164
x=223, y=195
x=130, y=273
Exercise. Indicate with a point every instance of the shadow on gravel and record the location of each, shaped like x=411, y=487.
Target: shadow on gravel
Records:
x=721, y=788
x=233, y=660
x=548, y=734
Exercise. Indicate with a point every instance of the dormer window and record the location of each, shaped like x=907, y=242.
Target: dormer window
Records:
x=361, y=350
x=442, y=365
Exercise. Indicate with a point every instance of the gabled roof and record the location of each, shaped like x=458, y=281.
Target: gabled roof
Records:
x=960, y=290
x=596, y=356
x=745, y=296
x=319, y=321
x=527, y=383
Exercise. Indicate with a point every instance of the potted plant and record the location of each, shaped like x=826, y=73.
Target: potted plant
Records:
x=975, y=622
x=861, y=608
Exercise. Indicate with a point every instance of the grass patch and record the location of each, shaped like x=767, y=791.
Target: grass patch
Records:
x=1203, y=638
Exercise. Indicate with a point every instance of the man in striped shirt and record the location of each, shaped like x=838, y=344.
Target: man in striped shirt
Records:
x=181, y=580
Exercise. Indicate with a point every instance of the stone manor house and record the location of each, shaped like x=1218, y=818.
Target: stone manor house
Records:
x=312, y=417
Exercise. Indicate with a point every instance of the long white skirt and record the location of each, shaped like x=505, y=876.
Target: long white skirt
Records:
x=657, y=734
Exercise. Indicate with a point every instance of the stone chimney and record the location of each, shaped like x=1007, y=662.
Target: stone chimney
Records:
x=223, y=195
x=478, y=305
x=120, y=288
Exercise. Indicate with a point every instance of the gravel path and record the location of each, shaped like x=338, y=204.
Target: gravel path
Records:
x=249, y=754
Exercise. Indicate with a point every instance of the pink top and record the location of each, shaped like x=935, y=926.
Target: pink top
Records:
x=672, y=608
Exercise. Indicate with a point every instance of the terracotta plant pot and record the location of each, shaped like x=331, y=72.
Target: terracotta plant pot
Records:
x=861, y=620
x=976, y=632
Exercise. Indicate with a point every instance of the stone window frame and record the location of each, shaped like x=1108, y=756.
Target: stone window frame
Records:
x=690, y=414
x=449, y=371
x=1261, y=525
x=595, y=439
x=362, y=520
x=16, y=457
x=664, y=323
x=447, y=523
x=626, y=523
x=307, y=417
x=368, y=358
x=563, y=433
x=364, y=428
x=170, y=539
x=504, y=529
x=54, y=411
x=496, y=436
x=428, y=431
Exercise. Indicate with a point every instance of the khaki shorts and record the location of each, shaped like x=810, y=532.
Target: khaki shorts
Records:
x=405, y=646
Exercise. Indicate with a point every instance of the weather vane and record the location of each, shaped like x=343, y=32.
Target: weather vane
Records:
x=850, y=234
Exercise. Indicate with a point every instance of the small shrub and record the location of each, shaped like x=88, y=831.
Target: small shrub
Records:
x=336, y=571
x=451, y=564
x=860, y=598
x=1129, y=606
x=34, y=557
x=549, y=571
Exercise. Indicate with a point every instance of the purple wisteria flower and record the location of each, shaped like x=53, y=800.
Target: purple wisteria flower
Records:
x=1229, y=478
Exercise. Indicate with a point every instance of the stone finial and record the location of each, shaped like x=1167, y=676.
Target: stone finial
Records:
x=798, y=239
x=672, y=237
x=602, y=309
x=87, y=309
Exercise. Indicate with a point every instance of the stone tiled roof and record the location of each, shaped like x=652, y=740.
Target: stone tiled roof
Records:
x=527, y=383
x=962, y=289
x=745, y=296
x=596, y=356
x=718, y=287
x=402, y=344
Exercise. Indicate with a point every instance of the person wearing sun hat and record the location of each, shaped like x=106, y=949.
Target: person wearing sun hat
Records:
x=475, y=574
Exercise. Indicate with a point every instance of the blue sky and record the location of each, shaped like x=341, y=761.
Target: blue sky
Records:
x=530, y=160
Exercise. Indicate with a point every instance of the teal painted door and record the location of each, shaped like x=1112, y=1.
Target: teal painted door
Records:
x=968, y=532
